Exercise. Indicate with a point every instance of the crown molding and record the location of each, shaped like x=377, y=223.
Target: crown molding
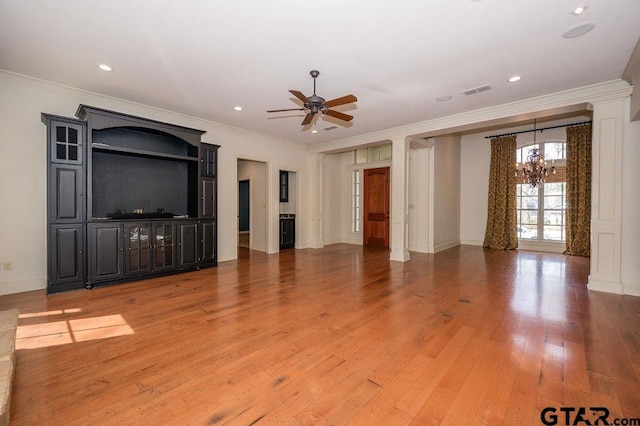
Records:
x=214, y=129
x=586, y=95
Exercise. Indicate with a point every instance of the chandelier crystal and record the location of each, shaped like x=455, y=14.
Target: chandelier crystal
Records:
x=535, y=169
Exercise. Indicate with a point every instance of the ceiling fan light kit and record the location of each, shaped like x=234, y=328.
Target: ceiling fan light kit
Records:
x=315, y=104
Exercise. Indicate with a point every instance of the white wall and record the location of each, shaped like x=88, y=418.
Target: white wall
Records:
x=333, y=208
x=23, y=165
x=446, y=198
x=256, y=173
x=475, y=158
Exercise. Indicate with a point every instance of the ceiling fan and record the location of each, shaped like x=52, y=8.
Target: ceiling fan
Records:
x=315, y=104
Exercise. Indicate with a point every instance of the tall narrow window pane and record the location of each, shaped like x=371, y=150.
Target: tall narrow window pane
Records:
x=355, y=218
x=541, y=210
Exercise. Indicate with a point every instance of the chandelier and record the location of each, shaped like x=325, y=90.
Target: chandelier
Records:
x=535, y=169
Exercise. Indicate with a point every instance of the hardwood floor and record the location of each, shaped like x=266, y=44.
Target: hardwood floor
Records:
x=339, y=335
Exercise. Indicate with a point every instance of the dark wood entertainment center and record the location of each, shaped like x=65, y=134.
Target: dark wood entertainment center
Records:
x=127, y=198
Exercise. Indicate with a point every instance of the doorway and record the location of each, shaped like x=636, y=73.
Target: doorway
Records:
x=254, y=174
x=244, y=209
x=375, y=210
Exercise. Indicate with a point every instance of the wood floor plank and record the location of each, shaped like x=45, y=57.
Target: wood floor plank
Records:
x=338, y=335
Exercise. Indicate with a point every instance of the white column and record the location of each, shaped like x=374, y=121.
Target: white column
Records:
x=606, y=196
x=400, y=199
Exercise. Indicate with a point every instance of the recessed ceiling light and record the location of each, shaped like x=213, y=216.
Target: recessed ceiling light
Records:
x=314, y=131
x=579, y=9
x=444, y=98
x=578, y=30
x=515, y=78
x=238, y=108
x=105, y=67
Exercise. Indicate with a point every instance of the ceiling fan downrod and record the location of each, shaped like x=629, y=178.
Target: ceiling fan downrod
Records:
x=314, y=75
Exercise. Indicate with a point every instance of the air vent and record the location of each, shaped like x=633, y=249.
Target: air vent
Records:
x=331, y=128
x=477, y=89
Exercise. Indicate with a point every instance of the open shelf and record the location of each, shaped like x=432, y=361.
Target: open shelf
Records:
x=139, y=152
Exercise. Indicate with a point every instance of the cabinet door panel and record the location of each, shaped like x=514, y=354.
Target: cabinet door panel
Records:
x=208, y=198
x=188, y=244
x=66, y=193
x=66, y=266
x=287, y=233
x=106, y=251
x=208, y=157
x=284, y=186
x=208, y=243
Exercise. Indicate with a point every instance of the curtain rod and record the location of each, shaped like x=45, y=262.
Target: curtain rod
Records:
x=537, y=130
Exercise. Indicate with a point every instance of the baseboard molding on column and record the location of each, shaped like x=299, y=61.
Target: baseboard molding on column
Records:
x=400, y=256
x=605, y=286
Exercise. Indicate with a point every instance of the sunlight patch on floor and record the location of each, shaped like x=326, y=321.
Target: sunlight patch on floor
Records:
x=55, y=333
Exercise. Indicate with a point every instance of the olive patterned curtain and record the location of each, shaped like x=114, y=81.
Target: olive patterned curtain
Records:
x=578, y=214
x=501, y=232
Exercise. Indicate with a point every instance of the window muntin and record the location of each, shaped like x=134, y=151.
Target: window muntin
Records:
x=541, y=210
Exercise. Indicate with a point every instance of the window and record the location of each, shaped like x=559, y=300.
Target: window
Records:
x=373, y=154
x=541, y=210
x=355, y=197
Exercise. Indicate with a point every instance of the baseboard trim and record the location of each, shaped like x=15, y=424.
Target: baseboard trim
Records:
x=631, y=289
x=471, y=242
x=605, y=286
x=22, y=286
x=445, y=246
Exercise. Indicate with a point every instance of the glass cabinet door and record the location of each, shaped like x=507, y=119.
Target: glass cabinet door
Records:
x=139, y=248
x=163, y=252
x=66, y=143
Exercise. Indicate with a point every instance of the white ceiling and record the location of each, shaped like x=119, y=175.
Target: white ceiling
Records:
x=202, y=58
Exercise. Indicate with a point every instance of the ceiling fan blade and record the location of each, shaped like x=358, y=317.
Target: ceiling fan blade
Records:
x=300, y=96
x=341, y=101
x=339, y=115
x=290, y=109
x=307, y=119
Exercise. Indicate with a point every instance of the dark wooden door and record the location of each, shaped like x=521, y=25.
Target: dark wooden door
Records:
x=376, y=207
